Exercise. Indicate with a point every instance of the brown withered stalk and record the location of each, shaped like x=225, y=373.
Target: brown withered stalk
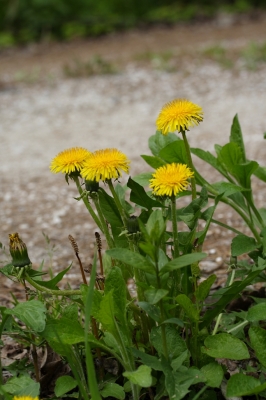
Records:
x=76, y=251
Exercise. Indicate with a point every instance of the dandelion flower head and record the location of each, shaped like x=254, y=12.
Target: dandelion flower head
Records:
x=170, y=179
x=70, y=160
x=180, y=115
x=25, y=398
x=105, y=164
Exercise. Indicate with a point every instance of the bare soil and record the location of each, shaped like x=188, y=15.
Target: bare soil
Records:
x=43, y=111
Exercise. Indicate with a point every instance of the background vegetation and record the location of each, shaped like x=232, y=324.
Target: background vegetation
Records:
x=23, y=21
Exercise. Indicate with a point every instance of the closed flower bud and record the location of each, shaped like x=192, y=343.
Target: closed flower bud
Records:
x=92, y=186
x=132, y=224
x=18, y=251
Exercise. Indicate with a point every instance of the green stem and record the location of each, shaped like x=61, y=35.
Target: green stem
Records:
x=225, y=200
x=174, y=225
x=105, y=229
x=87, y=204
x=230, y=228
x=51, y=291
x=117, y=202
x=190, y=164
x=164, y=341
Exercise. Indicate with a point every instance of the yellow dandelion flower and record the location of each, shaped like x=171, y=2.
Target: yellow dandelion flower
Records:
x=25, y=398
x=170, y=179
x=105, y=164
x=70, y=160
x=179, y=114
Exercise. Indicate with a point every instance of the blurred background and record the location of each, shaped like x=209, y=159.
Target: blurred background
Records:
x=96, y=74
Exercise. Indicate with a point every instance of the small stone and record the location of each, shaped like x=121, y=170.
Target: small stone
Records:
x=208, y=266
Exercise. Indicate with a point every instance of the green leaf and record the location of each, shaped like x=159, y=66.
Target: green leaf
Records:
x=22, y=386
x=140, y=197
x=243, y=385
x=143, y=179
x=113, y=390
x=64, y=384
x=182, y=261
x=257, y=337
x=32, y=313
x=237, y=137
x=175, y=344
x=158, y=141
x=223, y=345
x=257, y=312
x=153, y=295
x=213, y=373
x=230, y=155
x=243, y=173
x=142, y=376
x=202, y=291
x=106, y=313
x=178, y=361
x=63, y=331
x=261, y=173
x=52, y=284
x=151, y=361
x=154, y=162
x=174, y=152
x=133, y=259
x=155, y=226
x=242, y=244
x=227, y=188
x=188, y=306
x=209, y=158
x=152, y=310
x=112, y=215
x=114, y=282
x=228, y=295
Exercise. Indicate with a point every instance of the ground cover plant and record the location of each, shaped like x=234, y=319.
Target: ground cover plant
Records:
x=172, y=337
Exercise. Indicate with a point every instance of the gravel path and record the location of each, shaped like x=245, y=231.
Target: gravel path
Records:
x=39, y=120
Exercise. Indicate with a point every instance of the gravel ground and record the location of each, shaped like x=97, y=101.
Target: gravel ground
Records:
x=40, y=119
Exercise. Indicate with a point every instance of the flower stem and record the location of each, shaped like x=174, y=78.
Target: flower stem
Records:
x=87, y=204
x=190, y=164
x=51, y=291
x=117, y=201
x=174, y=225
x=104, y=229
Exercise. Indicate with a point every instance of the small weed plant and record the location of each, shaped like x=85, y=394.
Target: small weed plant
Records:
x=170, y=338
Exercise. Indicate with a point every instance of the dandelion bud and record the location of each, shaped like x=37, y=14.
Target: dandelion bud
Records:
x=18, y=251
x=92, y=186
x=132, y=224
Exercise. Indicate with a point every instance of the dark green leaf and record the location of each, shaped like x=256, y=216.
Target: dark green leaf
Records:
x=153, y=295
x=204, y=287
x=242, y=244
x=243, y=173
x=147, y=359
x=190, y=308
x=182, y=261
x=52, y=284
x=230, y=155
x=261, y=173
x=142, y=376
x=32, y=313
x=257, y=312
x=223, y=345
x=158, y=141
x=237, y=137
x=214, y=374
x=140, y=197
x=113, y=390
x=64, y=384
x=22, y=386
x=175, y=344
x=174, y=153
x=133, y=259
x=152, y=310
x=154, y=162
x=243, y=385
x=114, y=282
x=209, y=158
x=257, y=337
x=143, y=179
x=227, y=188
x=64, y=331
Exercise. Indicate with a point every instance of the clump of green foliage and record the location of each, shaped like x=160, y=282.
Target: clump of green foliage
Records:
x=167, y=340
